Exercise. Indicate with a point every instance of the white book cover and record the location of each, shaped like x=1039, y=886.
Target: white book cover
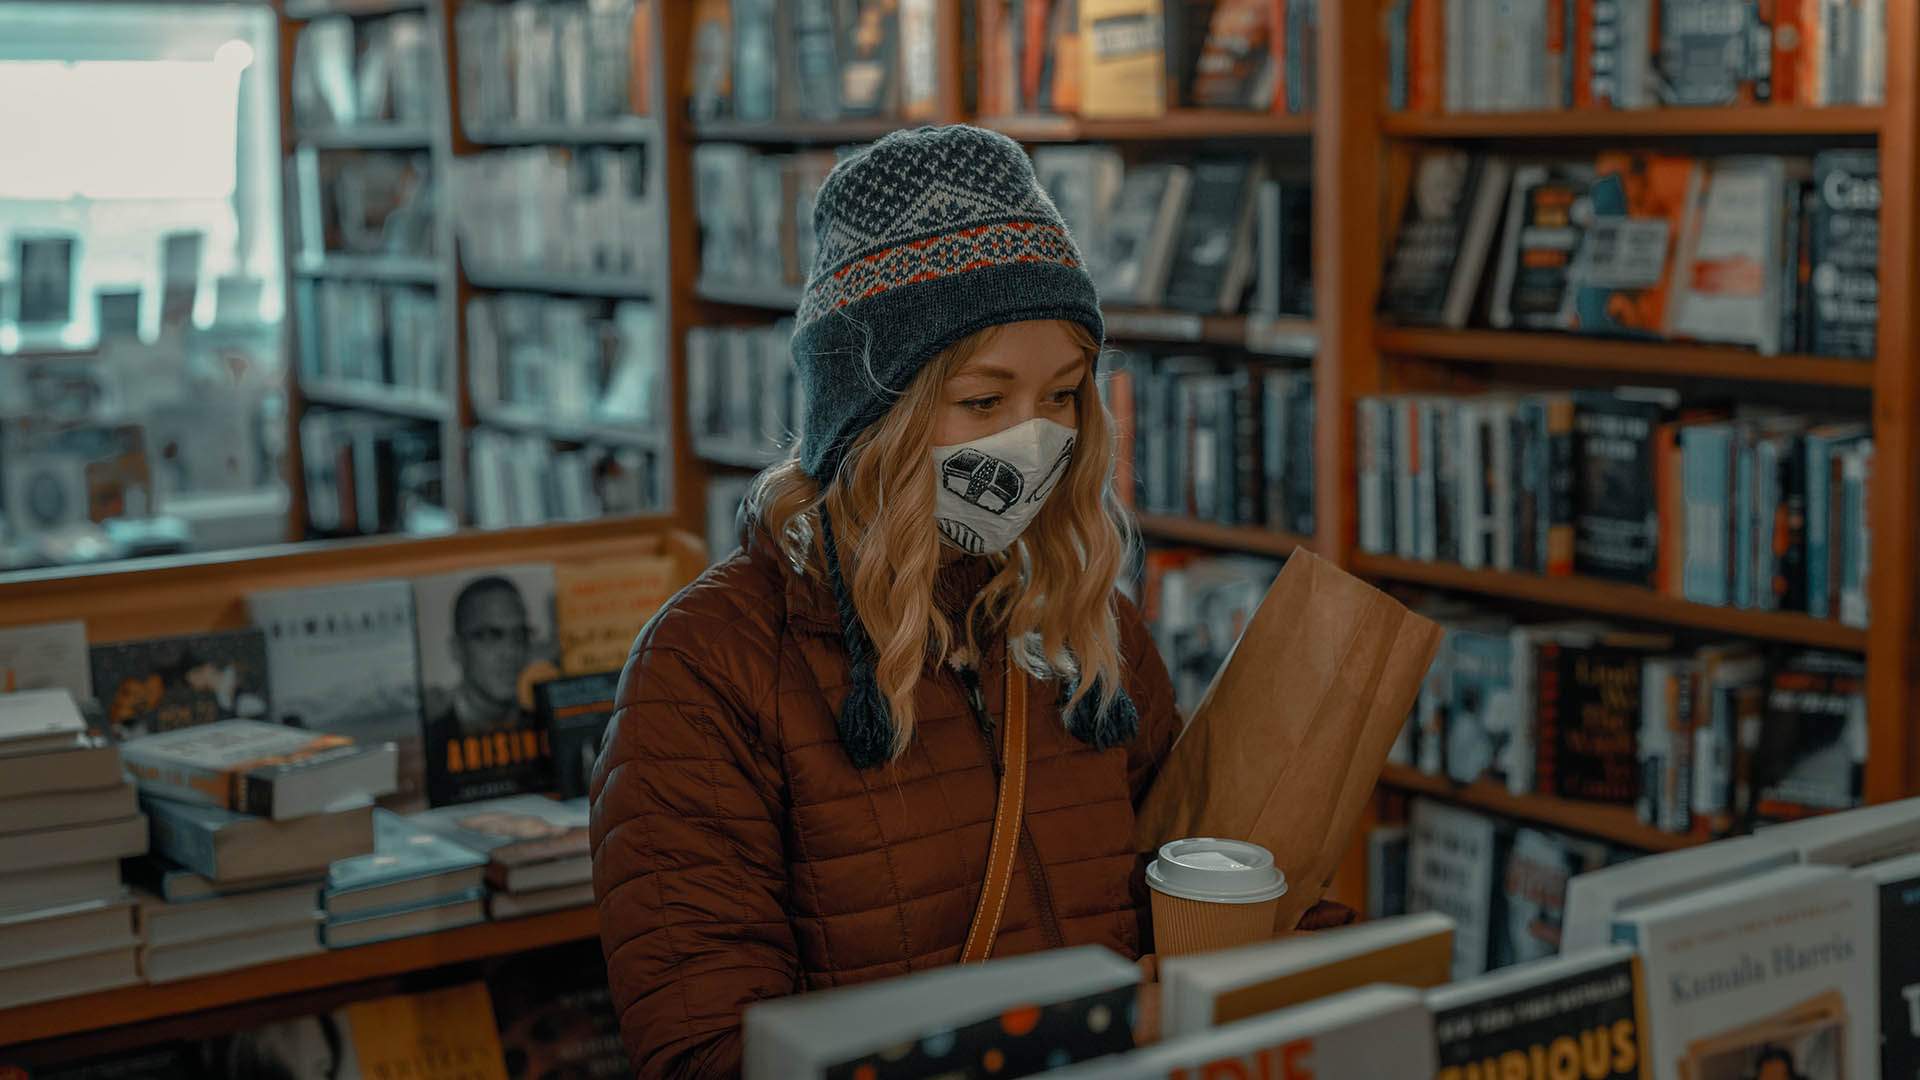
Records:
x=45, y=656
x=1452, y=852
x=1593, y=898
x=342, y=659
x=1724, y=289
x=1775, y=970
x=35, y=721
x=1852, y=837
x=1376, y=1031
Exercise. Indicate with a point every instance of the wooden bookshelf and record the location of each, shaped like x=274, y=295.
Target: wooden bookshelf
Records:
x=368, y=137
x=1182, y=530
x=610, y=286
x=1620, y=601
x=395, y=269
x=376, y=398
x=1614, y=823
x=1639, y=123
x=333, y=967
x=1570, y=351
x=798, y=132
x=781, y=298
x=623, y=132
x=1175, y=125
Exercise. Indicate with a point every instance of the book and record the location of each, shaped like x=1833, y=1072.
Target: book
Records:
x=227, y=846
x=1896, y=883
x=1387, y=870
x=107, y=969
x=446, y=913
x=175, y=682
x=315, y=636
x=1779, y=964
x=1851, y=838
x=46, y=655
x=164, y=1061
x=502, y=905
x=261, y=769
x=253, y=946
x=39, y=888
x=39, y=721
x=61, y=809
x=1530, y=904
x=575, y=711
x=1594, y=897
x=68, y=930
x=531, y=842
x=1585, y=1014
x=1124, y=59
x=600, y=607
x=1616, y=527
x=1132, y=262
x=164, y=923
x=178, y=885
x=1454, y=856
x=1812, y=747
x=1210, y=990
x=1624, y=270
x=1845, y=253
x=28, y=851
x=1545, y=221
x=1722, y=288
x=1214, y=250
x=445, y=1034
x=485, y=637
x=408, y=866
x=1235, y=68
x=1376, y=1031
x=1713, y=53
x=935, y=1015
x=555, y=1013
x=1446, y=229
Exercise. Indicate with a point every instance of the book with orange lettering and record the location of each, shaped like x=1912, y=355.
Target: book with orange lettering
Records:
x=599, y=607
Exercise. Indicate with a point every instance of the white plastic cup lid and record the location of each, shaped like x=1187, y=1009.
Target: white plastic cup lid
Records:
x=1216, y=871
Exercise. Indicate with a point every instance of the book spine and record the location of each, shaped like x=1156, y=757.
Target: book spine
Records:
x=1546, y=709
x=1471, y=469
x=1273, y=448
x=1553, y=70
x=1652, y=750
x=1446, y=484
x=1853, y=595
x=1704, y=475
x=1428, y=49
x=178, y=780
x=1520, y=755
x=1679, y=773
x=1500, y=441
x=1743, y=523
x=1785, y=40
x=1406, y=468
x=1669, y=512
x=1395, y=19
x=1459, y=41
x=1372, y=513
x=181, y=840
x=1791, y=562
x=1428, y=481
x=1248, y=478
x=1819, y=462
x=1560, y=487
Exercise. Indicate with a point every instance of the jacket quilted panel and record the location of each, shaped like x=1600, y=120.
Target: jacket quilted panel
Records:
x=739, y=855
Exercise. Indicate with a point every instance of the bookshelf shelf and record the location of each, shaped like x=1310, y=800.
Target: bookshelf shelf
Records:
x=627, y=131
x=1618, y=824
x=376, y=398
x=1523, y=349
x=768, y=297
x=1624, y=601
x=399, y=269
x=1232, y=537
x=612, y=286
x=1730, y=122
x=368, y=137
x=319, y=10
x=1255, y=333
x=336, y=967
x=568, y=430
x=1179, y=124
x=799, y=132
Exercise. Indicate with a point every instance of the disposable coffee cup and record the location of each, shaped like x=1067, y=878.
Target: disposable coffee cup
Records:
x=1213, y=894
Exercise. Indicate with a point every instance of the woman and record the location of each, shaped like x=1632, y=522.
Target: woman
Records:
x=800, y=789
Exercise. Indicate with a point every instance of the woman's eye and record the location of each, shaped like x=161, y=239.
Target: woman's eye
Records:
x=982, y=404
x=1063, y=398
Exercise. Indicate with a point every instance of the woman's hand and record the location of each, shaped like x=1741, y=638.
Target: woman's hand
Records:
x=1146, y=1030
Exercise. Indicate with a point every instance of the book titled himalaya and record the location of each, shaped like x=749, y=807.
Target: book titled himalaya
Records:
x=1579, y=1016
x=342, y=660
x=266, y=770
x=574, y=711
x=555, y=1014
x=167, y=683
x=1452, y=212
x=1013, y=1017
x=1770, y=975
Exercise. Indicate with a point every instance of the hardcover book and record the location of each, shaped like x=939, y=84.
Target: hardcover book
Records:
x=1722, y=287
x=1545, y=214
x=1714, y=52
x=486, y=637
x=1454, y=855
x=227, y=846
x=1811, y=754
x=266, y=770
x=1530, y=907
x=1132, y=266
x=574, y=711
x=600, y=607
x=402, y=853
x=38, y=721
x=1587, y=1010
x=342, y=659
x=175, y=682
x=1452, y=211
x=1897, y=882
x=1236, y=65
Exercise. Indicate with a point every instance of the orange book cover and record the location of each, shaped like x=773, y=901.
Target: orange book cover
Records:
x=1557, y=58
x=1670, y=505
x=1120, y=405
x=1582, y=48
x=1781, y=18
x=1427, y=54
x=1033, y=62
x=639, y=63
x=442, y=1035
x=1277, y=42
x=995, y=46
x=1811, y=44
x=1640, y=202
x=600, y=606
x=1065, y=61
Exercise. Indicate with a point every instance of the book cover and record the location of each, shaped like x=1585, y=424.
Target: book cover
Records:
x=1482, y=710
x=401, y=852
x=38, y=721
x=253, y=767
x=1454, y=857
x=439, y=1035
x=1445, y=231
x=869, y=56
x=45, y=656
x=1724, y=287
x=1616, y=524
x=1531, y=904
x=1776, y=970
x=227, y=846
x=1714, y=52
x=755, y=73
x=485, y=638
x=600, y=607
x=1124, y=65
x=1593, y=898
x=1897, y=882
x=710, y=75
x=574, y=711
x=1707, y=462
x=342, y=661
x=555, y=1014
x=1624, y=269
x=1585, y=1015
x=521, y=830
x=1236, y=65
x=1811, y=752
x=175, y=682
x=1545, y=214
x=1136, y=253
x=1845, y=254
x=1387, y=849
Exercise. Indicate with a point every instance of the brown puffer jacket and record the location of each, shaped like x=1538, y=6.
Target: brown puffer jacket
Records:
x=739, y=855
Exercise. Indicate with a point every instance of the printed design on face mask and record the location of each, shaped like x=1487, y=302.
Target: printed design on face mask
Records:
x=1059, y=468
x=962, y=536
x=983, y=481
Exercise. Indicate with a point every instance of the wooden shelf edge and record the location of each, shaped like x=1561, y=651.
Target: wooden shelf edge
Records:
x=1532, y=349
x=403, y=270
x=608, y=286
x=1177, y=124
x=585, y=431
x=366, y=137
x=334, y=967
x=1623, y=601
x=1252, y=539
x=767, y=297
x=799, y=132
x=1600, y=123
x=1618, y=824
x=615, y=132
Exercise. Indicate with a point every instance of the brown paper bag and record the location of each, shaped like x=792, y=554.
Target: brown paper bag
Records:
x=1285, y=748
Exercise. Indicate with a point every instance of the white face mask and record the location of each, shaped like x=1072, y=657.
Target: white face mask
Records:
x=991, y=488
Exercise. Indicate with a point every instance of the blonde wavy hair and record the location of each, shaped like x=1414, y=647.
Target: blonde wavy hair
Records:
x=1053, y=594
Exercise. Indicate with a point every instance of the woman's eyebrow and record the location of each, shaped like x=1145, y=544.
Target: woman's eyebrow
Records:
x=1000, y=374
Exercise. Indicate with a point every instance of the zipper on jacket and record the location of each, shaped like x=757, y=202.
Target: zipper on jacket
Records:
x=1029, y=854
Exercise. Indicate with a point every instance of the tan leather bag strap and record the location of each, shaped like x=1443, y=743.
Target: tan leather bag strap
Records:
x=1008, y=820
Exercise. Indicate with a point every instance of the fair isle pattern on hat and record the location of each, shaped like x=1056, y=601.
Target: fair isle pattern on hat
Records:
x=933, y=257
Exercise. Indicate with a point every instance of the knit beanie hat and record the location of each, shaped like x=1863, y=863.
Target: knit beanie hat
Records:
x=923, y=238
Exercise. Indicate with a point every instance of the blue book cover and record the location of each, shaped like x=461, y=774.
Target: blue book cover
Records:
x=1483, y=710
x=190, y=835
x=1822, y=444
x=187, y=832
x=401, y=852
x=1706, y=452
x=1745, y=524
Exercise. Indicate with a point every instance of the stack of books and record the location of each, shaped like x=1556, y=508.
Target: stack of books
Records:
x=414, y=882
x=259, y=811
x=536, y=848
x=66, y=820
